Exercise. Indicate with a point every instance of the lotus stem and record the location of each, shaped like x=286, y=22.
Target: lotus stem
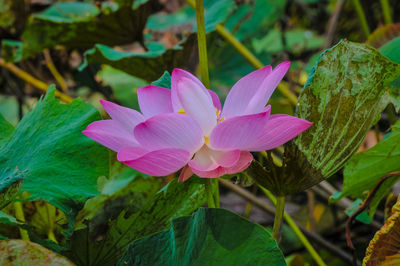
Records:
x=19, y=214
x=201, y=41
x=210, y=196
x=361, y=17
x=303, y=239
x=216, y=194
x=50, y=65
x=213, y=199
x=386, y=12
x=280, y=209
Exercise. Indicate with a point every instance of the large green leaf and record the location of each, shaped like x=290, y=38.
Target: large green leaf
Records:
x=364, y=169
x=174, y=200
x=21, y=252
x=57, y=162
x=80, y=25
x=208, y=237
x=149, y=65
x=343, y=97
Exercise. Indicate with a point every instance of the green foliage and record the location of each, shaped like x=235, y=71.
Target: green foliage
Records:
x=57, y=162
x=163, y=81
x=255, y=19
x=364, y=169
x=6, y=130
x=11, y=12
x=20, y=252
x=215, y=12
x=391, y=50
x=77, y=25
x=297, y=41
x=149, y=65
x=248, y=21
x=174, y=200
x=343, y=97
x=208, y=237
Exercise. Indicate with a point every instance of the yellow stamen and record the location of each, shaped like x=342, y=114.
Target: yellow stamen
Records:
x=182, y=111
x=207, y=140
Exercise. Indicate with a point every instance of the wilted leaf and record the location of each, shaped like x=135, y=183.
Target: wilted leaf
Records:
x=80, y=25
x=149, y=65
x=21, y=252
x=57, y=162
x=208, y=237
x=174, y=200
x=343, y=97
x=384, y=248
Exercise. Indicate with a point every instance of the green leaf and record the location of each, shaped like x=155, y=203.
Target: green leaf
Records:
x=163, y=81
x=21, y=252
x=8, y=219
x=343, y=97
x=149, y=65
x=6, y=130
x=208, y=237
x=215, y=12
x=391, y=50
x=80, y=25
x=9, y=185
x=174, y=200
x=364, y=169
x=363, y=216
x=57, y=162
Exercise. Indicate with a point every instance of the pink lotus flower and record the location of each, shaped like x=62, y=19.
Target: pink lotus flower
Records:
x=186, y=127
